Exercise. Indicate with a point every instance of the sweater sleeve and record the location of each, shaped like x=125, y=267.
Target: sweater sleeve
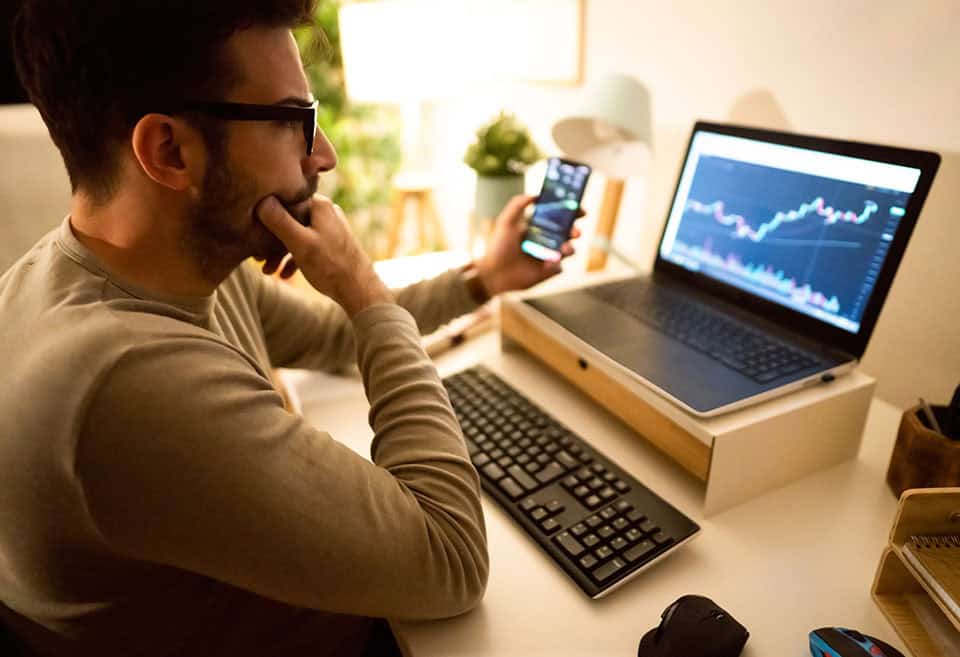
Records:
x=311, y=331
x=205, y=471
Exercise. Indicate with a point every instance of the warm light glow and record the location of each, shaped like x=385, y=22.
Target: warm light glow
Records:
x=399, y=50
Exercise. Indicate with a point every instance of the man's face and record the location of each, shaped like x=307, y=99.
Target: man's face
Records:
x=259, y=158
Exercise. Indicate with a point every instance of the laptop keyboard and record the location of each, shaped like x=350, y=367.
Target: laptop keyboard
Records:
x=747, y=351
x=597, y=522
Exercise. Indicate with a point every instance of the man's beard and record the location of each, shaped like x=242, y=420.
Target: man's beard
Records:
x=218, y=235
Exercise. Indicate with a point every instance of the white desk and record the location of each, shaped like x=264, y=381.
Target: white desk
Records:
x=796, y=559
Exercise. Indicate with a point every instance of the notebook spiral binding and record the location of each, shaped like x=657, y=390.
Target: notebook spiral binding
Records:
x=931, y=542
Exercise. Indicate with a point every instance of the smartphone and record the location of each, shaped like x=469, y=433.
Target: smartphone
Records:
x=555, y=208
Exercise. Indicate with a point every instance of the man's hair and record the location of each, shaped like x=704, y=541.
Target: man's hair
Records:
x=94, y=68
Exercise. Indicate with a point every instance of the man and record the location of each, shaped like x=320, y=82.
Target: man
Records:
x=157, y=498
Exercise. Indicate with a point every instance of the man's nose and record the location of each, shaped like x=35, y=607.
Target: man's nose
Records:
x=323, y=158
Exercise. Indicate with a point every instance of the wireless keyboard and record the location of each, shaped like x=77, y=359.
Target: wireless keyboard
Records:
x=597, y=522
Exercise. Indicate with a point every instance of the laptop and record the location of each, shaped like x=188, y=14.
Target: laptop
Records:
x=776, y=257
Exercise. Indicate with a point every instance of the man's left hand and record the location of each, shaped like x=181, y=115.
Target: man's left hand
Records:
x=505, y=267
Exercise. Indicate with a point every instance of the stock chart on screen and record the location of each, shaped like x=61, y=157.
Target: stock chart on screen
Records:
x=810, y=242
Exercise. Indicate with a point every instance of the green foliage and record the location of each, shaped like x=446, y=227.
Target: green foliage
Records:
x=366, y=137
x=503, y=148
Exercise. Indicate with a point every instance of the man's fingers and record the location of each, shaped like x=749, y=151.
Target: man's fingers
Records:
x=269, y=267
x=278, y=221
x=513, y=211
x=289, y=268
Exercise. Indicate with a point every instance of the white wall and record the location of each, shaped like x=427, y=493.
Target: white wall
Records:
x=881, y=71
x=34, y=189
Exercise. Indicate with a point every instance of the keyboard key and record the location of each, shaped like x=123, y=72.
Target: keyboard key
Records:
x=636, y=516
x=603, y=552
x=565, y=459
x=528, y=504
x=634, y=535
x=621, y=486
x=620, y=524
x=571, y=481
x=623, y=506
x=480, y=459
x=550, y=525
x=511, y=488
x=639, y=551
x=522, y=477
x=539, y=513
x=618, y=544
x=504, y=461
x=550, y=471
x=493, y=471
x=607, y=571
x=587, y=562
x=581, y=491
x=661, y=539
x=592, y=501
x=606, y=493
x=554, y=507
x=608, y=513
x=648, y=526
x=569, y=544
x=578, y=529
x=605, y=532
x=590, y=540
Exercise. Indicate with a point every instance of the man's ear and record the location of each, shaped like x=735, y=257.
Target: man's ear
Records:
x=170, y=151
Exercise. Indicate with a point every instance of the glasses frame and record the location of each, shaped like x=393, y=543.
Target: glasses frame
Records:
x=227, y=111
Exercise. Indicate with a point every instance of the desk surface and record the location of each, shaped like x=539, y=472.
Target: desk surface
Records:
x=798, y=558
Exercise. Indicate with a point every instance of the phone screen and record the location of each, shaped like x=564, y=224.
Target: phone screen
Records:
x=555, y=208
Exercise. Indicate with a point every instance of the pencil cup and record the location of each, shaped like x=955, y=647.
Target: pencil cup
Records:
x=922, y=458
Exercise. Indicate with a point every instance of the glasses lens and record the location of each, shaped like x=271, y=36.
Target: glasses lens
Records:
x=310, y=129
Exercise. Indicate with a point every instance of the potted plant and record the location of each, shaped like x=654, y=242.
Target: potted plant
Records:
x=502, y=151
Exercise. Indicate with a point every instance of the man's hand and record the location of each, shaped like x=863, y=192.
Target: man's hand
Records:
x=327, y=253
x=505, y=267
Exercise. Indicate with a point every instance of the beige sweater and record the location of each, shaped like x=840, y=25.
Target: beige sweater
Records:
x=156, y=498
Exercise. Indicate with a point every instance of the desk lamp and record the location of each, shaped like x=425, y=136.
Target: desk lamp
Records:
x=610, y=132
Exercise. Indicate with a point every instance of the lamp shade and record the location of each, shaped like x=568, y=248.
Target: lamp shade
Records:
x=610, y=131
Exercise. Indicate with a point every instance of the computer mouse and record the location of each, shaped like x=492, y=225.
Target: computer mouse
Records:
x=843, y=642
x=694, y=626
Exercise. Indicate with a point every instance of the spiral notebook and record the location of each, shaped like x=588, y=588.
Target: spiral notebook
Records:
x=937, y=560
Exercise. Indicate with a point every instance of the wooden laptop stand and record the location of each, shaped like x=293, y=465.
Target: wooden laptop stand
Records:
x=737, y=455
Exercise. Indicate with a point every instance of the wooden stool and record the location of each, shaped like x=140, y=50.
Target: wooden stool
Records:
x=430, y=229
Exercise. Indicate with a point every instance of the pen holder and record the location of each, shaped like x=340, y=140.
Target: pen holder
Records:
x=922, y=457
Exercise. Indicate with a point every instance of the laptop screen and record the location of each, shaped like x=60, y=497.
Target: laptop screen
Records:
x=806, y=229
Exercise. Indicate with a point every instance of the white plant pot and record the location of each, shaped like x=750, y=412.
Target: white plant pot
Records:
x=493, y=193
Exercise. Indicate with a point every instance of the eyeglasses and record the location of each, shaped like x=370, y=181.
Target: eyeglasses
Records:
x=249, y=112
